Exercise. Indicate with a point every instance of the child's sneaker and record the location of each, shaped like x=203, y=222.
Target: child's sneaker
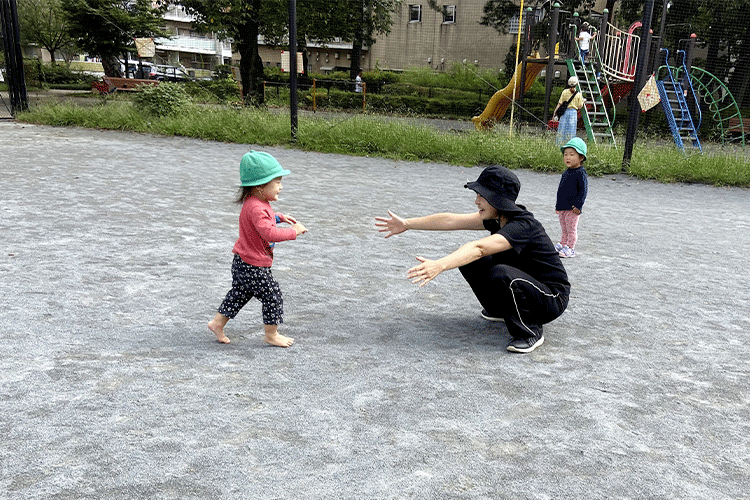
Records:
x=558, y=247
x=567, y=253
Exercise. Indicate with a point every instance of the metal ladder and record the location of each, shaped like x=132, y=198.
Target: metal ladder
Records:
x=675, y=105
x=595, y=116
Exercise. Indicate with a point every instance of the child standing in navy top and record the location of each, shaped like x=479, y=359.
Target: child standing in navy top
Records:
x=571, y=195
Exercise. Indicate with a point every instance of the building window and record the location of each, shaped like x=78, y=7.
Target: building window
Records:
x=513, y=22
x=449, y=14
x=415, y=13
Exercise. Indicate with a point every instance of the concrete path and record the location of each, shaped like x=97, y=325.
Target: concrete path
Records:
x=115, y=250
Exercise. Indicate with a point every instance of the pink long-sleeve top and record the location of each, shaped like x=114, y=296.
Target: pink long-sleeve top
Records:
x=258, y=229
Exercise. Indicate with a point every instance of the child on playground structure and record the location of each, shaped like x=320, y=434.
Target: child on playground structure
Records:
x=566, y=112
x=584, y=39
x=571, y=195
x=260, y=180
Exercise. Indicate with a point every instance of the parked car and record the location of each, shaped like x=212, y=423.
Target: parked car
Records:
x=143, y=70
x=172, y=74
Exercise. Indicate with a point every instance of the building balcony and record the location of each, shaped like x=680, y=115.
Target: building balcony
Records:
x=194, y=45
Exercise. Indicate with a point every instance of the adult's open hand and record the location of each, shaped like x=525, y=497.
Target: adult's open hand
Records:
x=392, y=225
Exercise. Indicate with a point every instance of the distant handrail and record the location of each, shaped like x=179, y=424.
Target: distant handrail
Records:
x=692, y=90
x=678, y=90
x=620, y=52
x=597, y=58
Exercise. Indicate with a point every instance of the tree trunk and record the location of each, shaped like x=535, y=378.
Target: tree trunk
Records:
x=712, y=52
x=251, y=65
x=740, y=79
x=111, y=66
x=356, y=64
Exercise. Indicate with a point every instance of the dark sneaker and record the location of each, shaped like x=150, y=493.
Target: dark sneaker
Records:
x=526, y=345
x=487, y=316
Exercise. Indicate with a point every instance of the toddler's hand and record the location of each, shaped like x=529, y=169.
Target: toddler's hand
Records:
x=287, y=218
x=299, y=228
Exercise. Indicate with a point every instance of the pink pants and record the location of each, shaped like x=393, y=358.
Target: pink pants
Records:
x=569, y=226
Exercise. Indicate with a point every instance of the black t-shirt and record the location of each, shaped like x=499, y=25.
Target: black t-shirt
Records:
x=532, y=252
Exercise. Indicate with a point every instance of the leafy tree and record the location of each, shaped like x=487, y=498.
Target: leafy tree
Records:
x=497, y=13
x=363, y=19
x=43, y=22
x=107, y=28
x=243, y=21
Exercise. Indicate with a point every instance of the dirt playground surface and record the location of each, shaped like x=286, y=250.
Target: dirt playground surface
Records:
x=115, y=250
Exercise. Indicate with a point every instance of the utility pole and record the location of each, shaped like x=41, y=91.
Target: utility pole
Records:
x=293, y=67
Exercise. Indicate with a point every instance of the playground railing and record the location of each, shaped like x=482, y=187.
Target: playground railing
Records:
x=597, y=58
x=620, y=53
x=674, y=74
x=696, y=101
x=671, y=78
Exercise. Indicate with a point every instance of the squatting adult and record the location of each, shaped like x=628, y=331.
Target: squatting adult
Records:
x=515, y=272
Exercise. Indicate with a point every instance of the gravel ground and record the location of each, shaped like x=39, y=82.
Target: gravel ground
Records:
x=116, y=250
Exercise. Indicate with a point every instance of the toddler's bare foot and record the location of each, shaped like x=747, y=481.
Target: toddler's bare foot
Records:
x=219, y=332
x=278, y=340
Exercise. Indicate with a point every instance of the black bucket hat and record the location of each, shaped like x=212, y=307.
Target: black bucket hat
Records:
x=499, y=186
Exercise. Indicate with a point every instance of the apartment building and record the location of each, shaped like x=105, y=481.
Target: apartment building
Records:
x=421, y=36
x=198, y=53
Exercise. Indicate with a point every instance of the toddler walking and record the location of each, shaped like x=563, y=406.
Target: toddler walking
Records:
x=571, y=195
x=260, y=179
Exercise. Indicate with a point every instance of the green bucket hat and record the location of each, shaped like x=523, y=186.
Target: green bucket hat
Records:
x=258, y=168
x=577, y=144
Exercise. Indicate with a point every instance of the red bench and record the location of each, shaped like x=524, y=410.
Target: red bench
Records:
x=111, y=84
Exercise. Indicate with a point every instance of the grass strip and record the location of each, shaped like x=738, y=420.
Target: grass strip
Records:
x=367, y=135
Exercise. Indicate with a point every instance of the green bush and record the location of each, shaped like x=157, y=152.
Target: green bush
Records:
x=38, y=73
x=443, y=102
x=275, y=75
x=222, y=72
x=220, y=91
x=465, y=77
x=164, y=99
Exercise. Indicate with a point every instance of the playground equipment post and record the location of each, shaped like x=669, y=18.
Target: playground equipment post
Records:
x=640, y=80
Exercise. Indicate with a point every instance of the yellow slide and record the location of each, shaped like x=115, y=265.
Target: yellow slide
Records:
x=500, y=102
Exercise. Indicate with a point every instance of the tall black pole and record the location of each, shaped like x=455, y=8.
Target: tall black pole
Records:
x=603, y=30
x=640, y=76
x=293, y=67
x=549, y=74
x=13, y=57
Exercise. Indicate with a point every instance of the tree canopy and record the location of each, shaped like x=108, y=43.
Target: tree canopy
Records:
x=107, y=28
x=322, y=21
x=497, y=13
x=43, y=22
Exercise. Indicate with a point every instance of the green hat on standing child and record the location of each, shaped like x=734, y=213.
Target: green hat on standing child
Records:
x=577, y=144
x=257, y=168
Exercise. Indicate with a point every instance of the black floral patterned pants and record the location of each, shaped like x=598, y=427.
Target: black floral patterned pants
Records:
x=251, y=281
